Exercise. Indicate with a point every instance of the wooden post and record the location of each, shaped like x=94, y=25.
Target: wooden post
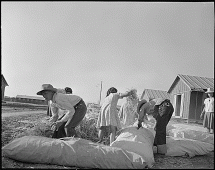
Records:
x=100, y=93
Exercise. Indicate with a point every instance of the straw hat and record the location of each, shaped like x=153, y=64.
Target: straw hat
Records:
x=209, y=90
x=46, y=87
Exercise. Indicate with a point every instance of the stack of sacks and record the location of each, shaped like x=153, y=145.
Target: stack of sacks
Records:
x=190, y=132
x=73, y=152
x=138, y=141
x=187, y=147
x=141, y=142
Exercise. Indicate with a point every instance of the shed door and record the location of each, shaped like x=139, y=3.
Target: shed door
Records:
x=196, y=104
x=178, y=104
x=182, y=104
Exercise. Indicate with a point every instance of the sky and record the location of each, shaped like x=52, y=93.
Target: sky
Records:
x=85, y=45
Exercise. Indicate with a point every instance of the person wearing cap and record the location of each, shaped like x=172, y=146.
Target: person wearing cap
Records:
x=208, y=111
x=161, y=109
x=75, y=106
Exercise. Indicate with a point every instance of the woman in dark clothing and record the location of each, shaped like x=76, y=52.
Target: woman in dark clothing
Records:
x=162, y=111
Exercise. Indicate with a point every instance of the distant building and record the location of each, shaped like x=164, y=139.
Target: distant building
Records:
x=149, y=94
x=31, y=99
x=3, y=85
x=188, y=94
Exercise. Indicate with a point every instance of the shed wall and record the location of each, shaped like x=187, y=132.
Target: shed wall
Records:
x=186, y=104
x=180, y=88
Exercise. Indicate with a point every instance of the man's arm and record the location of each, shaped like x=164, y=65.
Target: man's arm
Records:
x=202, y=114
x=66, y=118
x=142, y=114
x=54, y=111
x=126, y=94
x=140, y=104
x=68, y=115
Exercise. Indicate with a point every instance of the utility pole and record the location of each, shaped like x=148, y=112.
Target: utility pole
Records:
x=100, y=93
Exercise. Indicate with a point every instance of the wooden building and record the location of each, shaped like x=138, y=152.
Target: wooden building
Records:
x=31, y=99
x=188, y=94
x=3, y=85
x=149, y=94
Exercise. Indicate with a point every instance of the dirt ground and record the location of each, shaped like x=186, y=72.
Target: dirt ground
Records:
x=18, y=113
x=161, y=162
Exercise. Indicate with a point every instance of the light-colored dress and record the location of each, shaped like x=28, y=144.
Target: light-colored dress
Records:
x=109, y=114
x=128, y=112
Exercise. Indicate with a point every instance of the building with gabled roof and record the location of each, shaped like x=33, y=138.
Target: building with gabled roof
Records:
x=149, y=94
x=188, y=94
x=3, y=85
x=31, y=99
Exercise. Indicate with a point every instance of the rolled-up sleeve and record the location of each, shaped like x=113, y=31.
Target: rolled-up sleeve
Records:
x=69, y=114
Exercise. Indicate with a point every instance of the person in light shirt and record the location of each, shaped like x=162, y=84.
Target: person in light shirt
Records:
x=66, y=90
x=208, y=111
x=74, y=106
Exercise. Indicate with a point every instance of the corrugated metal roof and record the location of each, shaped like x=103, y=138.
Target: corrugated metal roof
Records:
x=30, y=97
x=194, y=82
x=2, y=77
x=153, y=94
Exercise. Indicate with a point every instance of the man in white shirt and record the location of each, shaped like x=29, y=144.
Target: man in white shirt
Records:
x=75, y=106
x=66, y=90
x=208, y=111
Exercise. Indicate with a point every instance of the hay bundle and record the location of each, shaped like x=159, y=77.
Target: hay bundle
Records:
x=87, y=129
x=128, y=111
x=40, y=128
x=131, y=102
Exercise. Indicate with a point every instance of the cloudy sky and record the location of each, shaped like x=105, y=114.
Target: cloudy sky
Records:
x=141, y=45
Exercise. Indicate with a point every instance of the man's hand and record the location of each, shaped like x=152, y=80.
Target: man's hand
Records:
x=56, y=124
x=201, y=116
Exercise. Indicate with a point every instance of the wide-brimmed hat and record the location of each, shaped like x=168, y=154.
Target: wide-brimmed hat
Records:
x=209, y=90
x=46, y=87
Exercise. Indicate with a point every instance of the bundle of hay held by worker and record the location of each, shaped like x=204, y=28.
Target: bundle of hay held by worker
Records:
x=132, y=102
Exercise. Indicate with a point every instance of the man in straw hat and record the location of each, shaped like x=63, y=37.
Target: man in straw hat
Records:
x=75, y=106
x=208, y=111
